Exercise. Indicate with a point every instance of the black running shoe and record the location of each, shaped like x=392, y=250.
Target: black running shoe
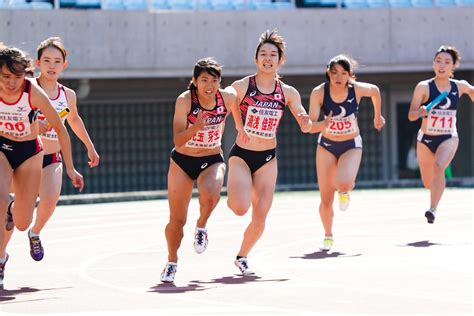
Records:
x=2, y=271
x=9, y=218
x=36, y=249
x=430, y=216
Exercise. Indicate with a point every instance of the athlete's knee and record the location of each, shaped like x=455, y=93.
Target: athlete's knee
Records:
x=4, y=205
x=427, y=184
x=209, y=197
x=439, y=168
x=22, y=224
x=325, y=206
x=345, y=186
x=259, y=220
x=177, y=222
x=238, y=208
x=48, y=202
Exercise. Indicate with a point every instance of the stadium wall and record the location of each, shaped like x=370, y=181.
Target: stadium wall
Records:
x=130, y=44
x=128, y=68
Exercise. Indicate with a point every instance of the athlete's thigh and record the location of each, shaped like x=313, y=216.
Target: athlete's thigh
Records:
x=264, y=182
x=26, y=180
x=326, y=171
x=211, y=179
x=426, y=160
x=51, y=181
x=180, y=190
x=239, y=182
x=348, y=165
x=446, y=151
x=6, y=174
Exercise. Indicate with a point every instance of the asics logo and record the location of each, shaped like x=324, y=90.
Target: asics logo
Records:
x=350, y=100
x=7, y=147
x=204, y=165
x=252, y=93
x=196, y=111
x=268, y=157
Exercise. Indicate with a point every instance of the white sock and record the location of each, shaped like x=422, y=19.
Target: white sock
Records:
x=31, y=234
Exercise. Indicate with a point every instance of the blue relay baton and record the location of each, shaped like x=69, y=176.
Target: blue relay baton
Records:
x=436, y=101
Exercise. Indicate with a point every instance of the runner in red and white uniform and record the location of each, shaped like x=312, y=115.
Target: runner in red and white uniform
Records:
x=261, y=100
x=21, y=152
x=198, y=124
x=52, y=61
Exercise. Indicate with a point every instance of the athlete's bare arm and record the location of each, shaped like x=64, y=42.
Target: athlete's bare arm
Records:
x=240, y=87
x=41, y=101
x=315, y=104
x=299, y=113
x=373, y=92
x=229, y=95
x=78, y=127
x=466, y=88
x=181, y=134
x=420, y=95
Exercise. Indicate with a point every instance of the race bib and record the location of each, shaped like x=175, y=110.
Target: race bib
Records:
x=14, y=125
x=51, y=134
x=262, y=122
x=441, y=122
x=342, y=125
x=209, y=137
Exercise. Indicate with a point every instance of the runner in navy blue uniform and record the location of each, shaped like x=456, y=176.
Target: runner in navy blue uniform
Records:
x=339, y=149
x=198, y=125
x=438, y=137
x=261, y=101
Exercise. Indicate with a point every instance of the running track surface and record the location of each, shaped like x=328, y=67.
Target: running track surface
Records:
x=106, y=259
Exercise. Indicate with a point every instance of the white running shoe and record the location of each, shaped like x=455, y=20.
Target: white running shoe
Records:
x=200, y=240
x=327, y=243
x=243, y=266
x=344, y=200
x=169, y=272
x=430, y=215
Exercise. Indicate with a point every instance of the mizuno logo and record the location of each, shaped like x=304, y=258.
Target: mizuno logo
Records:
x=326, y=144
x=7, y=147
x=454, y=93
x=268, y=158
x=20, y=108
x=254, y=111
x=204, y=165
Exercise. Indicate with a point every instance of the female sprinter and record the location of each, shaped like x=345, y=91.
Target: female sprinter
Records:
x=339, y=149
x=438, y=138
x=198, y=124
x=261, y=101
